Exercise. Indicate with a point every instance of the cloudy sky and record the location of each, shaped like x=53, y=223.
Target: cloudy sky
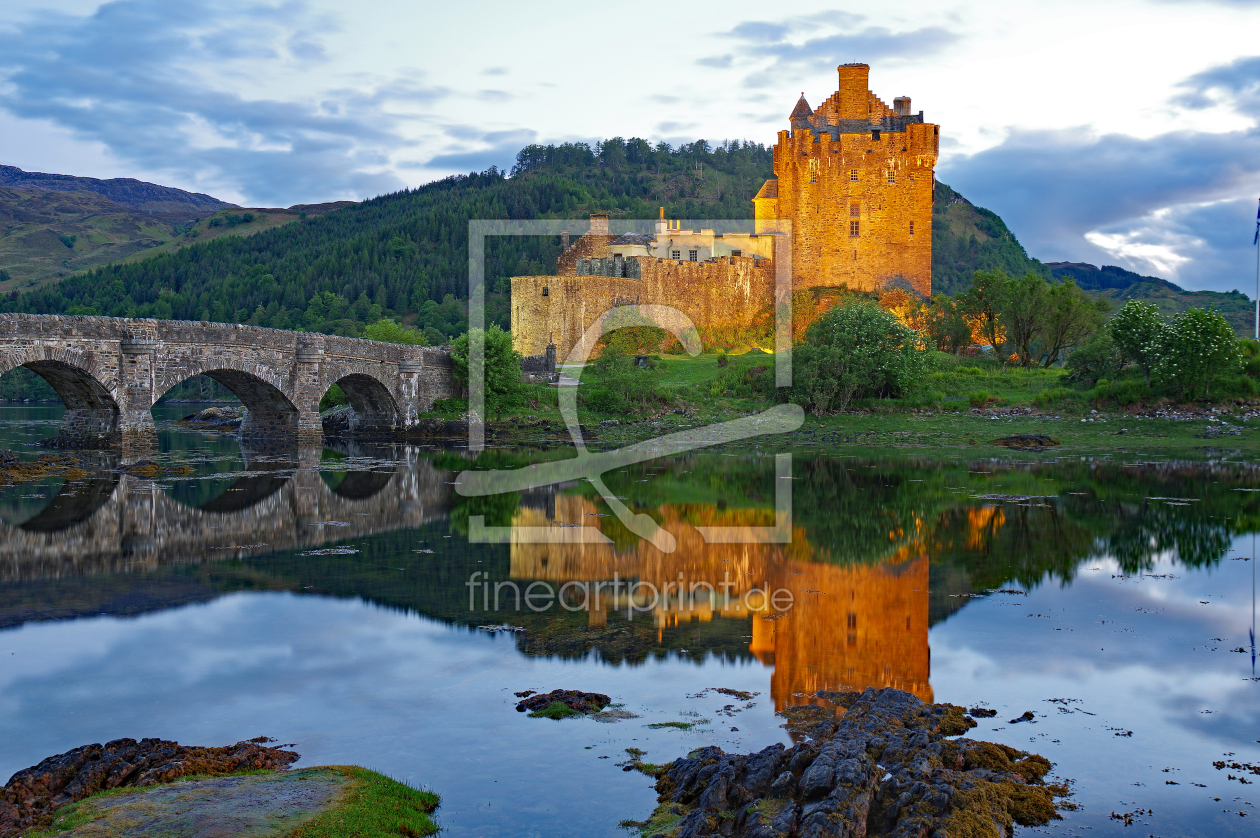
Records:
x=1107, y=131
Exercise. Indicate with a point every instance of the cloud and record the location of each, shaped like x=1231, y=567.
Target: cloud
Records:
x=497, y=148
x=1236, y=85
x=1169, y=205
x=794, y=45
x=494, y=71
x=164, y=86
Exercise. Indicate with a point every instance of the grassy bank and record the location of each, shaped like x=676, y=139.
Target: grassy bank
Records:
x=965, y=403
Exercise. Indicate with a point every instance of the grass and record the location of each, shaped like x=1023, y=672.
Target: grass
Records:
x=555, y=710
x=679, y=725
x=372, y=806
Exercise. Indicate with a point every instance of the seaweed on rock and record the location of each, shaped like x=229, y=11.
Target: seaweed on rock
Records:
x=885, y=768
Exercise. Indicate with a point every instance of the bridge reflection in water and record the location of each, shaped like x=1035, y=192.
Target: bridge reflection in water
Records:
x=849, y=627
x=119, y=522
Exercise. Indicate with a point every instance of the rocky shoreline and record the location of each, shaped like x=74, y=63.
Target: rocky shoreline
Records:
x=33, y=794
x=889, y=766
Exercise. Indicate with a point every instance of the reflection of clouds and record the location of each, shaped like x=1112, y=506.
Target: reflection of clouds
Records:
x=1099, y=645
x=352, y=682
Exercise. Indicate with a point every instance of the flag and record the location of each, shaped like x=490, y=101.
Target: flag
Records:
x=1256, y=240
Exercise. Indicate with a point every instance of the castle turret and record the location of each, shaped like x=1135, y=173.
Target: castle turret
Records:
x=801, y=113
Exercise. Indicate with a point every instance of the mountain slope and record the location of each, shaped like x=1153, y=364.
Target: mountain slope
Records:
x=967, y=238
x=1119, y=285
x=135, y=194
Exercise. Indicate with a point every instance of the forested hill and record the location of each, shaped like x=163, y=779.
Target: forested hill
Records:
x=405, y=255
x=967, y=238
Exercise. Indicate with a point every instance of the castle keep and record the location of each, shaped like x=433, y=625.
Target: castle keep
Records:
x=851, y=196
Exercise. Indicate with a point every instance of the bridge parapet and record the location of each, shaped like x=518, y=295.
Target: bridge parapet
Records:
x=110, y=371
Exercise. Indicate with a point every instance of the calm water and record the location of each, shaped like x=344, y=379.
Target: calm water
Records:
x=329, y=599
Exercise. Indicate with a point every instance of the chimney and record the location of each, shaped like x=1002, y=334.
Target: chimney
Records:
x=599, y=225
x=564, y=241
x=901, y=105
x=855, y=91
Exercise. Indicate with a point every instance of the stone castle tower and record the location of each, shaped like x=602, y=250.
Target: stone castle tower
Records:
x=855, y=179
x=853, y=182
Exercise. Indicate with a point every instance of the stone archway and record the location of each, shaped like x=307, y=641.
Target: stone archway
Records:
x=92, y=412
x=375, y=410
x=269, y=413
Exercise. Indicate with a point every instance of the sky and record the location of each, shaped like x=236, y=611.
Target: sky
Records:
x=1120, y=132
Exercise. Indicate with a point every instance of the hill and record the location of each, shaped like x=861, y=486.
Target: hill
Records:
x=336, y=267
x=967, y=238
x=1119, y=285
x=135, y=194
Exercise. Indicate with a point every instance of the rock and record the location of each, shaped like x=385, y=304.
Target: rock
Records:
x=574, y=701
x=886, y=768
x=216, y=418
x=982, y=712
x=33, y=793
x=1031, y=442
x=1027, y=717
x=337, y=421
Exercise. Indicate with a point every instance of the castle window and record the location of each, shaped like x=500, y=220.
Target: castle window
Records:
x=875, y=135
x=855, y=211
x=892, y=177
x=545, y=291
x=675, y=254
x=737, y=253
x=854, y=227
x=853, y=175
x=693, y=255
x=911, y=229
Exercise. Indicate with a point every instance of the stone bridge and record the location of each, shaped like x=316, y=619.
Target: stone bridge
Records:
x=116, y=522
x=109, y=371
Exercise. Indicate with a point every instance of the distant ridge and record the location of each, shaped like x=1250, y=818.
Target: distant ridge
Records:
x=135, y=194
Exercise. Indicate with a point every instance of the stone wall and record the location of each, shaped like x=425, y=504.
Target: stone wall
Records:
x=724, y=299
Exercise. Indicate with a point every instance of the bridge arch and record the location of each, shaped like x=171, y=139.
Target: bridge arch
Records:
x=87, y=391
x=268, y=411
x=375, y=406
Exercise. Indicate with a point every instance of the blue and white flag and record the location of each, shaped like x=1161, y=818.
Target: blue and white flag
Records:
x=1256, y=240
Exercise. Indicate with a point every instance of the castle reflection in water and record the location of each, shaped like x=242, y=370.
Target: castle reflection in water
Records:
x=849, y=627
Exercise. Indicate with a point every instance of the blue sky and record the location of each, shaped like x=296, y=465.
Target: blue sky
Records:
x=1112, y=131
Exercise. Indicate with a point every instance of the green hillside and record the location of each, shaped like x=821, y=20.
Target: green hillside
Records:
x=967, y=238
x=405, y=255
x=335, y=268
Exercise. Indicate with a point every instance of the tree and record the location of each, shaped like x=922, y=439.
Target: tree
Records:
x=390, y=331
x=1071, y=318
x=856, y=351
x=983, y=303
x=1022, y=305
x=502, y=369
x=1098, y=357
x=1197, y=348
x=946, y=324
x=1136, y=329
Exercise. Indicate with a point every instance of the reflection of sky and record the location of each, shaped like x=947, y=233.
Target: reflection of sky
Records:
x=350, y=682
x=1139, y=653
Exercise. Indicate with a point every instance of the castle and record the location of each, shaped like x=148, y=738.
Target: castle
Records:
x=851, y=197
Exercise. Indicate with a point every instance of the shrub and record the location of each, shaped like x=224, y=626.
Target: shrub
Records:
x=502, y=369
x=969, y=371
x=614, y=383
x=1195, y=350
x=1128, y=391
x=1099, y=358
x=856, y=351
x=980, y=398
x=1137, y=330
x=1053, y=395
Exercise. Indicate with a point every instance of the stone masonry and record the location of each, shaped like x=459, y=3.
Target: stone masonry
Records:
x=109, y=371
